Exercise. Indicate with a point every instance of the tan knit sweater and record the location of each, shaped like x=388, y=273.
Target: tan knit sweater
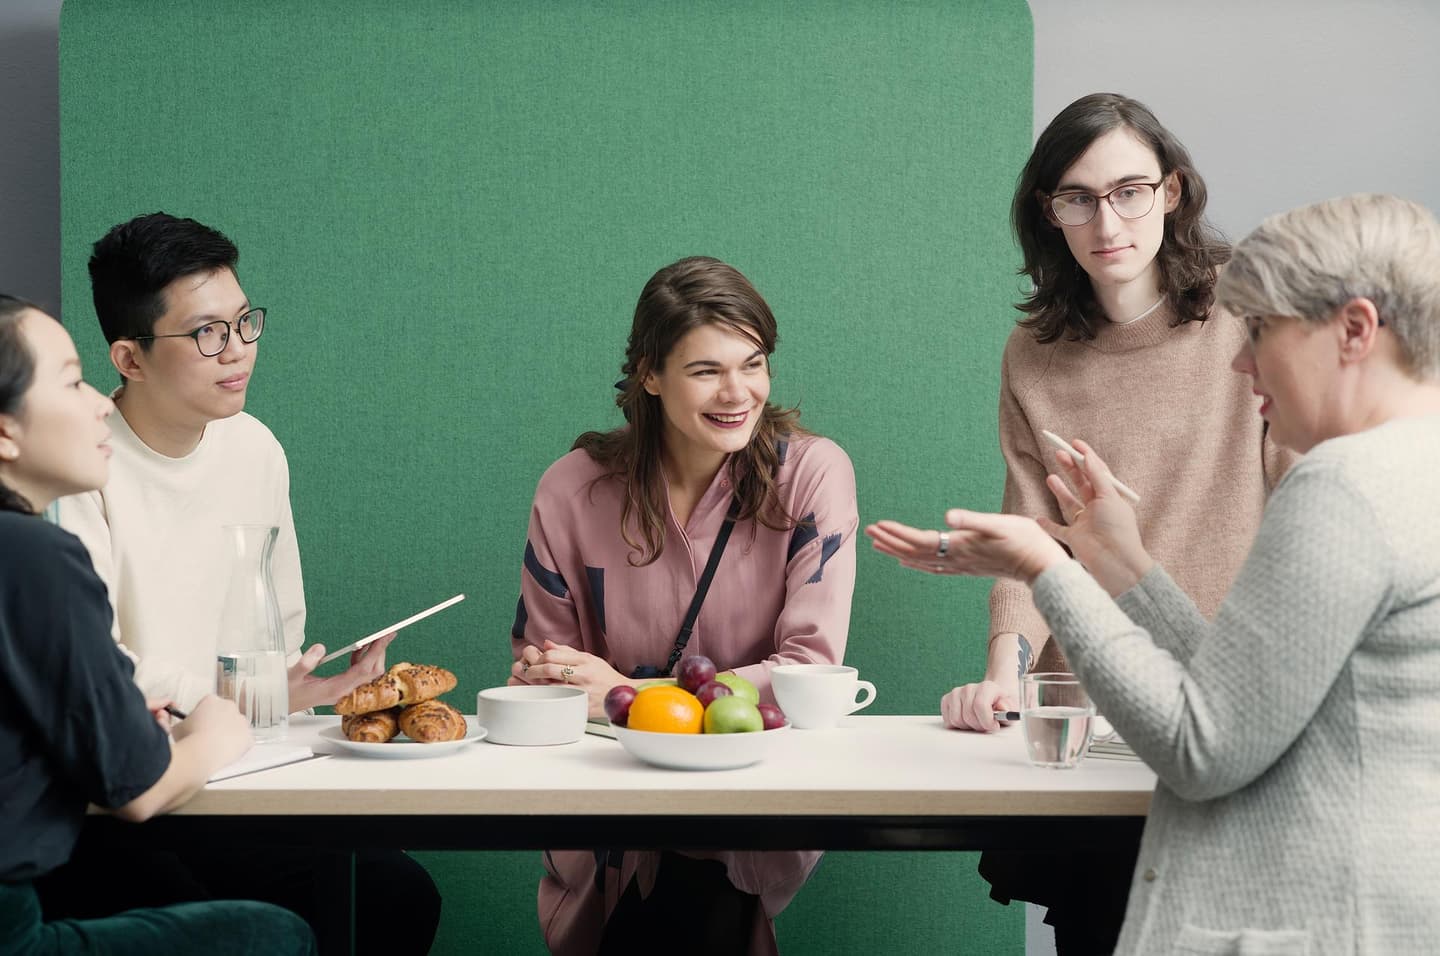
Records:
x=1172, y=420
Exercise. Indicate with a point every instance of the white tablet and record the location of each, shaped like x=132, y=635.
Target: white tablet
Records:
x=349, y=648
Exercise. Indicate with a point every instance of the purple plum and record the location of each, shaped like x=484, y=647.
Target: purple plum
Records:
x=711, y=691
x=694, y=672
x=773, y=716
x=617, y=703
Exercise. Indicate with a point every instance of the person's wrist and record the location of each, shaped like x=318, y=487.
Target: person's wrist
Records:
x=1121, y=575
x=1048, y=557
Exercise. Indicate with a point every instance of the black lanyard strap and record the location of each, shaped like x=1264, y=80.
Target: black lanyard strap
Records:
x=703, y=587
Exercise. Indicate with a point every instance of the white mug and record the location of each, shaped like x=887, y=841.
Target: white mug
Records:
x=814, y=696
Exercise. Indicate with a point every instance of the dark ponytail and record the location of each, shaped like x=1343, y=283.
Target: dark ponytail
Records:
x=17, y=370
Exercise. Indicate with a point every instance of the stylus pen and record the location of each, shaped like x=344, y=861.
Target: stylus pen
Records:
x=1063, y=445
x=1010, y=715
x=175, y=712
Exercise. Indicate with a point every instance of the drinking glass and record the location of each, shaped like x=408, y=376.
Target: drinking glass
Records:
x=1057, y=716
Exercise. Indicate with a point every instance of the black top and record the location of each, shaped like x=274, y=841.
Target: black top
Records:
x=73, y=725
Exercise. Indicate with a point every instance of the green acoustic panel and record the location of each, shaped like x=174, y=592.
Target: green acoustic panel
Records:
x=450, y=208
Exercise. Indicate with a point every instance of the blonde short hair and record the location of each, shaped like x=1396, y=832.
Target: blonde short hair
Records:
x=1310, y=261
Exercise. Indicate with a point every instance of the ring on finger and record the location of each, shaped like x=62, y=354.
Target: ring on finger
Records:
x=566, y=673
x=944, y=547
x=1078, y=512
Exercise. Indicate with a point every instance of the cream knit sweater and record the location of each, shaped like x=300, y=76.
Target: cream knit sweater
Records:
x=1164, y=409
x=154, y=533
x=1294, y=738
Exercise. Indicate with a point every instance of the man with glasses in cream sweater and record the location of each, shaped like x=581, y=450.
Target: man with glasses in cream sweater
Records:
x=187, y=462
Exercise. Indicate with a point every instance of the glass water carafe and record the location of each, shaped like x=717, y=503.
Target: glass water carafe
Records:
x=250, y=651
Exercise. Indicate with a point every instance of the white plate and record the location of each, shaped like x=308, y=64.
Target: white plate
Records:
x=699, y=751
x=402, y=747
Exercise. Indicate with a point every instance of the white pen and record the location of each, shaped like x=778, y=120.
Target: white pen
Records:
x=1063, y=445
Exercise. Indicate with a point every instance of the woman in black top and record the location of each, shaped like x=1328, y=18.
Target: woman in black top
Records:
x=74, y=729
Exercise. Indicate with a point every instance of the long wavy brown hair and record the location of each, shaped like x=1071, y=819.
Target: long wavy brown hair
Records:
x=683, y=296
x=1191, y=252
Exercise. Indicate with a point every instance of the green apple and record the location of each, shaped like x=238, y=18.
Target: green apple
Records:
x=740, y=687
x=659, y=682
x=733, y=715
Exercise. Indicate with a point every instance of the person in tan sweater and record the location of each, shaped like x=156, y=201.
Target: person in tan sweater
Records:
x=1120, y=347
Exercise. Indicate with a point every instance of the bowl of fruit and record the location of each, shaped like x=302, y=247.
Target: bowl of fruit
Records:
x=699, y=721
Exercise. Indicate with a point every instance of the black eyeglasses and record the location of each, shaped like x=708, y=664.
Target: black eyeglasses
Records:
x=212, y=337
x=1129, y=200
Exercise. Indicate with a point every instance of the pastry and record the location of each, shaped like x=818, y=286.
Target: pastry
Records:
x=373, y=728
x=402, y=684
x=431, y=722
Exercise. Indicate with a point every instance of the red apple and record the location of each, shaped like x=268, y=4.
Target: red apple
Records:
x=694, y=671
x=617, y=703
x=773, y=716
x=711, y=691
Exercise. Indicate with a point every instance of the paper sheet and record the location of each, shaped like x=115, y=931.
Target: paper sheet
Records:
x=263, y=757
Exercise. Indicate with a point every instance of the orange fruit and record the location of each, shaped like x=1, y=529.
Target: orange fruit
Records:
x=666, y=710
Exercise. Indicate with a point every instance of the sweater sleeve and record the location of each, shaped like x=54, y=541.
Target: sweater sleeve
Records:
x=814, y=623
x=546, y=610
x=85, y=516
x=1011, y=607
x=1320, y=572
x=285, y=565
x=1158, y=604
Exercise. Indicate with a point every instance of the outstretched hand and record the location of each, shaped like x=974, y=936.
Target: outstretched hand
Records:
x=915, y=548
x=1000, y=546
x=975, y=544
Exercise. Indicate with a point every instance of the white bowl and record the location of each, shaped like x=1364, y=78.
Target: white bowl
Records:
x=699, y=751
x=540, y=715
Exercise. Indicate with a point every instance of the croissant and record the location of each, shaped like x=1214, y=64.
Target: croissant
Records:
x=402, y=684
x=373, y=728
x=432, y=721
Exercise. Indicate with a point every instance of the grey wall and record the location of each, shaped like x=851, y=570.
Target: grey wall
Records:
x=1281, y=102
x=30, y=150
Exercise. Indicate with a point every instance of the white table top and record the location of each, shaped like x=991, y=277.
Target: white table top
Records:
x=899, y=766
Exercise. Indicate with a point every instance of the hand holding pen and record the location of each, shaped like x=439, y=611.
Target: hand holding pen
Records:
x=1079, y=459
x=1100, y=529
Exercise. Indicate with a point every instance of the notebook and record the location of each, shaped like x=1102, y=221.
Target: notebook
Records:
x=264, y=757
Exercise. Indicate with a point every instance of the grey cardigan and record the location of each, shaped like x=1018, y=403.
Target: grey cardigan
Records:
x=1297, y=738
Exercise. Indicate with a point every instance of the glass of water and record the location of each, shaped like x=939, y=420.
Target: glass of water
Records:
x=1057, y=716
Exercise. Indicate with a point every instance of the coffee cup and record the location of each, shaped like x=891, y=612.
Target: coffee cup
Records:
x=815, y=696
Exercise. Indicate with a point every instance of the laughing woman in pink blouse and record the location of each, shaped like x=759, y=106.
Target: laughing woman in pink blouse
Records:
x=621, y=531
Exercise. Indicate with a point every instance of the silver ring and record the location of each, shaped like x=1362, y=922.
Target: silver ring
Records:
x=566, y=673
x=944, y=547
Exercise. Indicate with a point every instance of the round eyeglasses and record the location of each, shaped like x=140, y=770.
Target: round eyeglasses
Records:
x=1129, y=200
x=212, y=337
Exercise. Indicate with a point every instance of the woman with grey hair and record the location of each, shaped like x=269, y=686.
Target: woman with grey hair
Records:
x=1295, y=810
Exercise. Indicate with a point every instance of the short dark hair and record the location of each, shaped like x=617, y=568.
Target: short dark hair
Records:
x=134, y=262
x=17, y=370
x=1191, y=252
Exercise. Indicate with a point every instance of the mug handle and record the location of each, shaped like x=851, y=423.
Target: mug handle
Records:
x=869, y=698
